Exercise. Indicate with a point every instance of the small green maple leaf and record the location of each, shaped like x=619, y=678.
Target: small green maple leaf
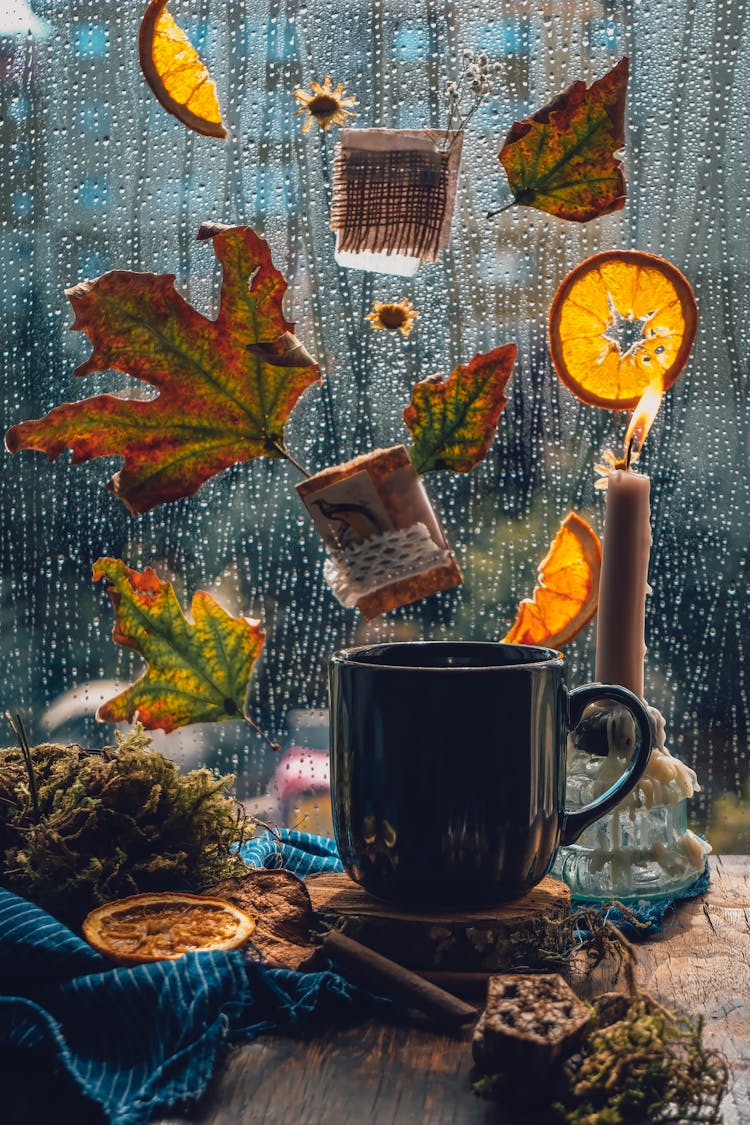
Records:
x=562, y=159
x=453, y=421
x=198, y=672
x=226, y=386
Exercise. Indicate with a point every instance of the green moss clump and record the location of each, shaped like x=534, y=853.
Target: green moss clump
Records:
x=112, y=823
x=651, y=1066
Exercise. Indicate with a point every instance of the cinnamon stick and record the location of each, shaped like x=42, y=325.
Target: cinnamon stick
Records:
x=380, y=974
x=471, y=986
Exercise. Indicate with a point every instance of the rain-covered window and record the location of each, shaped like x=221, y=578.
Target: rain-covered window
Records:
x=97, y=176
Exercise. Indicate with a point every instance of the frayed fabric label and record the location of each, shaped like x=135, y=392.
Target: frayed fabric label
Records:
x=394, y=192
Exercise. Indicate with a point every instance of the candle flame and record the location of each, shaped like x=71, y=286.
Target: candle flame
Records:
x=643, y=416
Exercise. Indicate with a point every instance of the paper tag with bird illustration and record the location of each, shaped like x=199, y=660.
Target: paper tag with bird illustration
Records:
x=385, y=545
x=348, y=512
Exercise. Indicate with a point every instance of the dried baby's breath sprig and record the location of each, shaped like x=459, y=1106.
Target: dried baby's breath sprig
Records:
x=479, y=79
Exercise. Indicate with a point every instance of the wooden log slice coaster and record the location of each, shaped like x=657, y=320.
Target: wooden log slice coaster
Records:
x=511, y=935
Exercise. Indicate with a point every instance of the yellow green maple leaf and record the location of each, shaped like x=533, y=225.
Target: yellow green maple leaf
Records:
x=198, y=672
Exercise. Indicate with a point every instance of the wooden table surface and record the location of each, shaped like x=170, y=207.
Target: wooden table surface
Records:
x=401, y=1075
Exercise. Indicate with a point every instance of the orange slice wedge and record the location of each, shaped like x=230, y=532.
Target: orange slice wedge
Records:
x=621, y=321
x=175, y=73
x=161, y=927
x=568, y=592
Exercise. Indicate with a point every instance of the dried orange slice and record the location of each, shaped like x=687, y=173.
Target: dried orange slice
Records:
x=161, y=927
x=620, y=322
x=568, y=592
x=176, y=74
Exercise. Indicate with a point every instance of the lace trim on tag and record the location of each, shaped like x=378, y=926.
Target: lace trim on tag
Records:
x=381, y=560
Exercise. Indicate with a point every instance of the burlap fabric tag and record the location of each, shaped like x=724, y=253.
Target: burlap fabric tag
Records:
x=394, y=192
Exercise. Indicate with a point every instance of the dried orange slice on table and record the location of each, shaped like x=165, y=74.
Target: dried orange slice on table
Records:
x=567, y=595
x=621, y=321
x=175, y=73
x=161, y=927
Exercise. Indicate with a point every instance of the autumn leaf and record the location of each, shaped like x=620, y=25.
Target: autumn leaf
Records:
x=198, y=672
x=562, y=159
x=453, y=421
x=226, y=386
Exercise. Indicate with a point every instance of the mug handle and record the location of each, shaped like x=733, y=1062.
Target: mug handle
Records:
x=575, y=821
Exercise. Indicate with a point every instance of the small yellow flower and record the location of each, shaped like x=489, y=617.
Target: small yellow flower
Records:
x=324, y=105
x=393, y=317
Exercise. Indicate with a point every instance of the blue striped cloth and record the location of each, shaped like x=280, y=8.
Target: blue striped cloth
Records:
x=144, y=1039
x=299, y=852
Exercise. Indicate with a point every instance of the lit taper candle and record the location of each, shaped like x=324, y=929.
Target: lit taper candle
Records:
x=621, y=620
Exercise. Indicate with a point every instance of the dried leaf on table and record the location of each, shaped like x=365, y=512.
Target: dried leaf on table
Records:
x=280, y=904
x=198, y=672
x=562, y=159
x=226, y=386
x=453, y=421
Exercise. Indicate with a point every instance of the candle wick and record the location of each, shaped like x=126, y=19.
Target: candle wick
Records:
x=629, y=453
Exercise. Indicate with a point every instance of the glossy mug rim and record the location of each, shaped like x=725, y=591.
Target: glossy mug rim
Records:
x=545, y=658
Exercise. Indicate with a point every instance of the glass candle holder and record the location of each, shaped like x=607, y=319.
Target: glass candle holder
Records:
x=644, y=848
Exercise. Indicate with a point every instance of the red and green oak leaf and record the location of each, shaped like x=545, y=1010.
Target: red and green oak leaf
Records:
x=225, y=387
x=198, y=672
x=453, y=421
x=562, y=159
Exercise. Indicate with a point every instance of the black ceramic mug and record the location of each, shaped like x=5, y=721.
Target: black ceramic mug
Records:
x=448, y=767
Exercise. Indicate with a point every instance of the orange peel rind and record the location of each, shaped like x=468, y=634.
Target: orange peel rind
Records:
x=567, y=594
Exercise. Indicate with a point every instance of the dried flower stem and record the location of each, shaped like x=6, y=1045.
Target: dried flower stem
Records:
x=20, y=733
x=273, y=745
x=475, y=83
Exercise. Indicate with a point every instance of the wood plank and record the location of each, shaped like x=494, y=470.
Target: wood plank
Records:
x=375, y=1074
x=492, y=939
x=700, y=964
x=396, y=1075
